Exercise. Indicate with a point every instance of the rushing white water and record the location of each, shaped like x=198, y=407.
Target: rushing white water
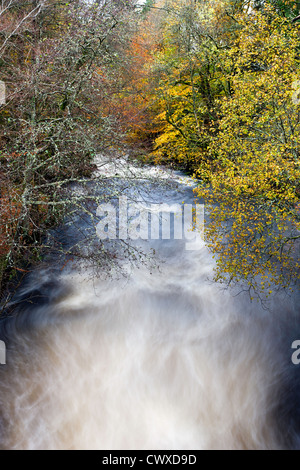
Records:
x=161, y=360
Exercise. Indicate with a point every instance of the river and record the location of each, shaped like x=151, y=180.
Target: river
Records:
x=161, y=358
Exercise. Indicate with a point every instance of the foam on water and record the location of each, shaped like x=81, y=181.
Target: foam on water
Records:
x=157, y=361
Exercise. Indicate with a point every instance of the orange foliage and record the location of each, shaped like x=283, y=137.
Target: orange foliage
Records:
x=131, y=104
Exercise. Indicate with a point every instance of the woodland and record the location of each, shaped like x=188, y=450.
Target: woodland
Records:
x=210, y=87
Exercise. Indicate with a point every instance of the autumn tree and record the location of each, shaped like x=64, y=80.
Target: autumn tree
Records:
x=188, y=79
x=286, y=8
x=56, y=60
x=135, y=101
x=253, y=173
x=226, y=106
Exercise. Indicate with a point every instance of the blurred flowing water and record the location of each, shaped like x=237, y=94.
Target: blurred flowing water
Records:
x=158, y=359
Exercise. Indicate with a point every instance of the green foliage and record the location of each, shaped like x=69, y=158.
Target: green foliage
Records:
x=189, y=83
x=286, y=8
x=146, y=7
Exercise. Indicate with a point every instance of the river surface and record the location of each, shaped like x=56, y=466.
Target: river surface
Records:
x=159, y=358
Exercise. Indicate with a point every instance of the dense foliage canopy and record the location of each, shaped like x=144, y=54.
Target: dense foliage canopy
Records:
x=222, y=90
x=208, y=86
